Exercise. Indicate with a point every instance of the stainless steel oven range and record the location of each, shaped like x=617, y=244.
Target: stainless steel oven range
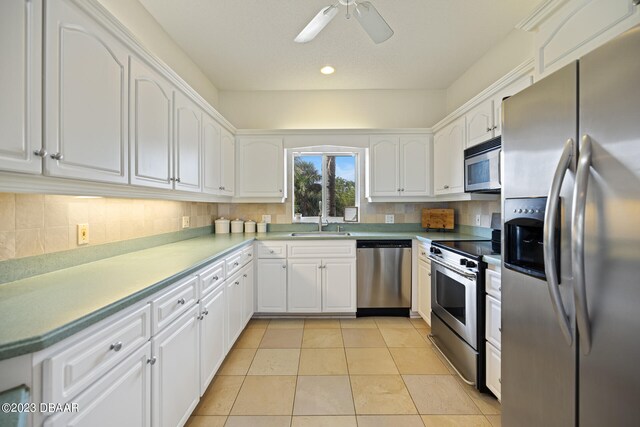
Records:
x=457, y=305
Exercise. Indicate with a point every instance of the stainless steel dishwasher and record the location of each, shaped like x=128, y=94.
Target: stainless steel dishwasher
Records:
x=384, y=277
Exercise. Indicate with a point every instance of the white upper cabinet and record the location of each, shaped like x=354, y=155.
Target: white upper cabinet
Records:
x=227, y=163
x=20, y=85
x=480, y=123
x=448, y=158
x=211, y=159
x=260, y=168
x=515, y=87
x=188, y=118
x=150, y=133
x=384, y=164
x=85, y=97
x=400, y=166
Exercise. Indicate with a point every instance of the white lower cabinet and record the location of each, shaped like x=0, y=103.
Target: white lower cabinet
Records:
x=176, y=371
x=248, y=285
x=234, y=308
x=493, y=330
x=213, y=335
x=304, y=285
x=272, y=285
x=424, y=289
x=339, y=285
x=494, y=379
x=121, y=398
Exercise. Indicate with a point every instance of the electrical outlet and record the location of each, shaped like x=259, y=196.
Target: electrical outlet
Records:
x=389, y=219
x=83, y=234
x=266, y=218
x=478, y=220
x=186, y=221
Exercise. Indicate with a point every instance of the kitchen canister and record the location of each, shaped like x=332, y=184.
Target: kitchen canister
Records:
x=237, y=226
x=222, y=226
x=262, y=227
x=250, y=226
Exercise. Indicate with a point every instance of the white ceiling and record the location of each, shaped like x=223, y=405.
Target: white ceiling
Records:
x=248, y=44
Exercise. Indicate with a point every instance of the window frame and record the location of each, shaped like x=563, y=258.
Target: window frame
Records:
x=325, y=151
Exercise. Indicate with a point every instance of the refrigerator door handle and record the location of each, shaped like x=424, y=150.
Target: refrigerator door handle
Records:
x=577, y=243
x=548, y=244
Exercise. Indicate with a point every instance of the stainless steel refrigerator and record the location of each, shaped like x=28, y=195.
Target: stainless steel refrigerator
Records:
x=571, y=244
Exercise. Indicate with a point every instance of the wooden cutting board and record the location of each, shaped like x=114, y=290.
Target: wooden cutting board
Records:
x=437, y=218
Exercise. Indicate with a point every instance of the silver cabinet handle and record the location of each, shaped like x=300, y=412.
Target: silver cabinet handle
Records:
x=399, y=189
x=244, y=275
x=205, y=312
x=172, y=179
x=499, y=328
x=548, y=241
x=181, y=301
x=489, y=129
x=577, y=244
x=177, y=179
x=116, y=347
x=57, y=156
x=215, y=278
x=280, y=190
x=494, y=127
x=446, y=187
x=152, y=361
x=236, y=283
x=41, y=152
x=235, y=264
x=429, y=274
x=200, y=317
x=272, y=251
x=284, y=265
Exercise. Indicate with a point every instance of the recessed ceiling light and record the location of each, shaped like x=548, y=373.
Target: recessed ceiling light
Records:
x=327, y=69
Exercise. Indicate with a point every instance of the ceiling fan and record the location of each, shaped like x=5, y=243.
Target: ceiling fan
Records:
x=366, y=14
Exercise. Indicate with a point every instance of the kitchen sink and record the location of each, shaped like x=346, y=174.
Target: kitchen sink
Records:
x=321, y=234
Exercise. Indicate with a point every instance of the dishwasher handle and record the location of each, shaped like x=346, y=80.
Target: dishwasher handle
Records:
x=374, y=244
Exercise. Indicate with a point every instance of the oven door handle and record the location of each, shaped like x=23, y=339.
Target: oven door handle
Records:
x=450, y=267
x=549, y=237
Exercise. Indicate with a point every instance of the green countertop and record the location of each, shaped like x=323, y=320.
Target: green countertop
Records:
x=39, y=311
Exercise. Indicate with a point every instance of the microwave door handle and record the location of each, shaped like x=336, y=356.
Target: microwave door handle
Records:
x=577, y=243
x=549, y=237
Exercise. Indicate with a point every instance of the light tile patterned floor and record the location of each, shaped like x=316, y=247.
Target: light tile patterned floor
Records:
x=366, y=372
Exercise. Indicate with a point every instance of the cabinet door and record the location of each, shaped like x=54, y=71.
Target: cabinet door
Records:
x=480, y=123
x=424, y=290
x=449, y=158
x=122, y=397
x=512, y=89
x=235, y=305
x=150, y=136
x=494, y=375
x=213, y=342
x=415, y=166
x=211, y=156
x=384, y=165
x=493, y=330
x=85, y=97
x=20, y=85
x=188, y=118
x=260, y=167
x=227, y=163
x=304, y=286
x=339, y=285
x=272, y=285
x=248, y=285
x=176, y=373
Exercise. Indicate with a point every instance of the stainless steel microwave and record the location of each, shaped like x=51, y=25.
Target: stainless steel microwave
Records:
x=482, y=167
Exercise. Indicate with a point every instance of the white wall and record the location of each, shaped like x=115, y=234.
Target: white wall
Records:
x=510, y=52
x=337, y=109
x=146, y=29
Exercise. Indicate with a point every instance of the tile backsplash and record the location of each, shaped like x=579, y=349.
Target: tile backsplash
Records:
x=35, y=224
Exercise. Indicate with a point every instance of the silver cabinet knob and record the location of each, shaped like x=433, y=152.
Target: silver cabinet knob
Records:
x=500, y=329
x=215, y=278
x=172, y=179
x=399, y=189
x=177, y=179
x=272, y=251
x=284, y=265
x=235, y=264
x=402, y=189
x=181, y=301
x=494, y=128
x=500, y=288
x=200, y=317
x=249, y=255
x=220, y=188
x=152, y=361
x=236, y=283
x=488, y=129
x=116, y=347
x=57, y=156
x=280, y=190
x=500, y=380
x=446, y=187
x=41, y=152
x=429, y=274
x=244, y=275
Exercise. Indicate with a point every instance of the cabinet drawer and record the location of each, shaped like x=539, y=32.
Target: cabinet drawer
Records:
x=247, y=255
x=326, y=249
x=170, y=304
x=493, y=283
x=423, y=252
x=272, y=250
x=234, y=263
x=211, y=277
x=67, y=373
x=494, y=375
x=493, y=329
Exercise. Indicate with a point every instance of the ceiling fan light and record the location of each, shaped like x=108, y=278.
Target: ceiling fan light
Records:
x=316, y=25
x=327, y=69
x=372, y=22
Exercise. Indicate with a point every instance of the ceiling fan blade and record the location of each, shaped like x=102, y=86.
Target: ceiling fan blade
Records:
x=374, y=24
x=316, y=25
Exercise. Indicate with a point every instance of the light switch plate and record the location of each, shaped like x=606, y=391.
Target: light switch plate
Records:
x=186, y=221
x=389, y=219
x=266, y=218
x=83, y=234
